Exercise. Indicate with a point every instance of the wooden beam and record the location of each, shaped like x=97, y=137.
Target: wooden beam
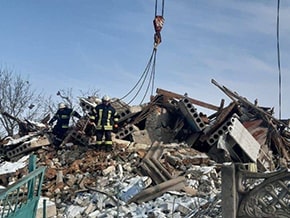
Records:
x=193, y=101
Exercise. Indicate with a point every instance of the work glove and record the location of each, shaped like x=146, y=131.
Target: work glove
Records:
x=48, y=127
x=92, y=118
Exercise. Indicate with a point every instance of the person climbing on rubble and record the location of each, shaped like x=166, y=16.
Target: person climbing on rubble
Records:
x=90, y=127
x=62, y=118
x=106, y=119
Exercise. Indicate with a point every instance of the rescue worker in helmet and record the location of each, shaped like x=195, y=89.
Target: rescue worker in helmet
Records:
x=62, y=118
x=106, y=120
x=90, y=128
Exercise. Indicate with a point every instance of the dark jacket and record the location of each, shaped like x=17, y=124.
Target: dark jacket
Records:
x=63, y=116
x=105, y=117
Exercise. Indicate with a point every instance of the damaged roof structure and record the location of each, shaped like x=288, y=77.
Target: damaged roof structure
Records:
x=240, y=132
x=166, y=160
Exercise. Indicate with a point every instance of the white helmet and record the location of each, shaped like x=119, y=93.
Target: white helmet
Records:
x=97, y=101
x=61, y=105
x=106, y=98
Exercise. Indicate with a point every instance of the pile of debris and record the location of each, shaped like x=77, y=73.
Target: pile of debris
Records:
x=166, y=160
x=240, y=132
x=135, y=180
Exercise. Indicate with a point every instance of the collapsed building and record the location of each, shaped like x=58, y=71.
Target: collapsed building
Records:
x=160, y=142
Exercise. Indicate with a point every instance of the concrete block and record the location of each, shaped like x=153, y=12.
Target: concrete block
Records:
x=90, y=208
x=122, y=133
x=108, y=170
x=124, y=115
x=34, y=142
x=71, y=180
x=86, y=105
x=80, y=137
x=191, y=115
x=74, y=211
x=141, y=137
x=136, y=109
x=183, y=209
x=223, y=129
x=50, y=208
x=244, y=139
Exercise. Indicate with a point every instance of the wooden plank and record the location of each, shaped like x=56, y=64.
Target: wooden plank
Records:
x=193, y=101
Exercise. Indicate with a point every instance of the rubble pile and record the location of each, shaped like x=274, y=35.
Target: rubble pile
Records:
x=83, y=182
x=241, y=132
x=166, y=160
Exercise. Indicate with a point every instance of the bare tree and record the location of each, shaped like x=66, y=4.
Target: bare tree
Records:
x=68, y=98
x=91, y=93
x=17, y=100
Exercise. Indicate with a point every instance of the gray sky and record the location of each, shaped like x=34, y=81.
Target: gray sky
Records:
x=106, y=45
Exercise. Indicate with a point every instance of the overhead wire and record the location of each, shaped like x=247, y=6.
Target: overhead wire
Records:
x=151, y=65
x=278, y=53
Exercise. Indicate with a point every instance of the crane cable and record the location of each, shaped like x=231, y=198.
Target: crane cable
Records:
x=143, y=76
x=158, y=24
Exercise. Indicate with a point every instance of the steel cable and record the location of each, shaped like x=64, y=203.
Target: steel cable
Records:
x=162, y=8
x=152, y=77
x=144, y=76
x=158, y=23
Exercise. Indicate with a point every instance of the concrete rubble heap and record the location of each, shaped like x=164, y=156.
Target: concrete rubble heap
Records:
x=166, y=160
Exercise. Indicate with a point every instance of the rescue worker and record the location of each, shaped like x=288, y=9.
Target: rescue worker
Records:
x=106, y=120
x=90, y=128
x=62, y=118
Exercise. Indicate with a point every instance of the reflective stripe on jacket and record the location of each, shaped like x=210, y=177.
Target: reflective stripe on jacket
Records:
x=63, y=116
x=106, y=116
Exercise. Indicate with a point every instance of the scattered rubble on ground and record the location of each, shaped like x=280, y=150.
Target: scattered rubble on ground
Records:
x=166, y=160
